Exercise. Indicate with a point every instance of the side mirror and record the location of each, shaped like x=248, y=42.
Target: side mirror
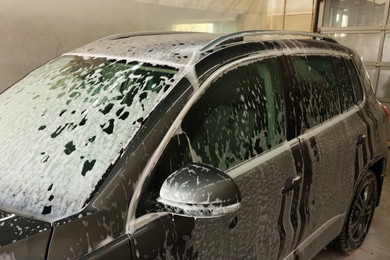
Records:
x=199, y=190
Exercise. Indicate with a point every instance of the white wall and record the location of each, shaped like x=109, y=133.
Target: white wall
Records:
x=33, y=32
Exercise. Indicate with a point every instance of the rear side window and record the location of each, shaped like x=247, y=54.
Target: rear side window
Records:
x=355, y=81
x=315, y=85
x=346, y=90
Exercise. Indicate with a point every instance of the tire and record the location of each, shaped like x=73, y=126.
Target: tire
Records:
x=360, y=215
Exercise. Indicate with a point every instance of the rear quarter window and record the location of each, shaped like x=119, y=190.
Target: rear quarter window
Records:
x=357, y=86
x=346, y=89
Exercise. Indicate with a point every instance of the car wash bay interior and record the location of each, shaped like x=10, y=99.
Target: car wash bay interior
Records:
x=363, y=25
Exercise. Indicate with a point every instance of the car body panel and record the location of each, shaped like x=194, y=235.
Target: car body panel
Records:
x=254, y=231
x=22, y=237
x=157, y=240
x=117, y=249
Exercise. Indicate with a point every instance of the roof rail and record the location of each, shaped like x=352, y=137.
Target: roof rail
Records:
x=239, y=36
x=134, y=34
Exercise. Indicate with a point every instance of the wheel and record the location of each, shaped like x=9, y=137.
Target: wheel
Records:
x=360, y=214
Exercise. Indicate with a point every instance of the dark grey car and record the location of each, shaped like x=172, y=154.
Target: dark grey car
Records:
x=258, y=144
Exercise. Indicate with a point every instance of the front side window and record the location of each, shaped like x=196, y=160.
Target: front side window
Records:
x=240, y=116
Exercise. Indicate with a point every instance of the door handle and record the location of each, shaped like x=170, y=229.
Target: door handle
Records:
x=291, y=183
x=361, y=139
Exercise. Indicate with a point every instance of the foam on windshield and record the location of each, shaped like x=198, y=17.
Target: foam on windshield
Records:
x=64, y=124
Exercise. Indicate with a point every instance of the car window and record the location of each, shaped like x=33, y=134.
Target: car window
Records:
x=240, y=116
x=316, y=85
x=346, y=90
x=355, y=81
x=63, y=126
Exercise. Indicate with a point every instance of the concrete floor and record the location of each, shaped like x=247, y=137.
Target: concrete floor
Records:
x=377, y=243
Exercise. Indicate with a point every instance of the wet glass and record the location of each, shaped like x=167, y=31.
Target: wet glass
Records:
x=240, y=116
x=66, y=123
x=346, y=90
x=318, y=91
x=383, y=89
x=356, y=85
x=366, y=45
x=341, y=13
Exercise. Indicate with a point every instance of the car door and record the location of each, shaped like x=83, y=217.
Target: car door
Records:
x=236, y=123
x=324, y=115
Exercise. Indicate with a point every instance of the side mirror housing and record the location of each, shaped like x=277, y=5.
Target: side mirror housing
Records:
x=199, y=190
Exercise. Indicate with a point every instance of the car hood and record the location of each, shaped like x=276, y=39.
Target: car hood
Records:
x=22, y=238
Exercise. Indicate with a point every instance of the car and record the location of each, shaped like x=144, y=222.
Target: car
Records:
x=255, y=144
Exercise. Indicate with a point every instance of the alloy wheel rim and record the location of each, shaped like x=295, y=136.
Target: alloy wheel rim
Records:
x=363, y=211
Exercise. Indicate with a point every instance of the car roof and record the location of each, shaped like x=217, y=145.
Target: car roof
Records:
x=183, y=48
x=165, y=47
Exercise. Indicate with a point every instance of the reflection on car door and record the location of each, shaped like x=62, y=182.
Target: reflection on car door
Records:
x=156, y=240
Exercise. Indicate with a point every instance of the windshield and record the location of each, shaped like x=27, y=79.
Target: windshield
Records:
x=63, y=126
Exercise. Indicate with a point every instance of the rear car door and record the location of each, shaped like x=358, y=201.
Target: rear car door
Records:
x=328, y=126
